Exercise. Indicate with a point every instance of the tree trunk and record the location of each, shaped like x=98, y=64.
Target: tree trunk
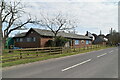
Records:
x=4, y=42
x=1, y=36
x=55, y=35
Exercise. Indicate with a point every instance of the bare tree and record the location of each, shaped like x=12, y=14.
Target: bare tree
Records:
x=114, y=37
x=11, y=16
x=57, y=23
x=0, y=34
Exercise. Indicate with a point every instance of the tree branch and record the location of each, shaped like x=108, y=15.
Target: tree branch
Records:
x=3, y=20
x=29, y=21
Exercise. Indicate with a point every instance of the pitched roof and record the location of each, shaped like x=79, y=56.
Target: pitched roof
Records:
x=21, y=34
x=99, y=40
x=43, y=32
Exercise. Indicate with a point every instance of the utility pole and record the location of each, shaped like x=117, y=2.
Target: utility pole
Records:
x=100, y=32
x=111, y=31
x=111, y=36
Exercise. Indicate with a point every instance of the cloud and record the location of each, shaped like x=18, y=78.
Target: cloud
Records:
x=88, y=14
x=68, y=0
x=91, y=15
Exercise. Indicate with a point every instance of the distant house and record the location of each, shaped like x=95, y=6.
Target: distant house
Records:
x=97, y=39
x=100, y=40
x=35, y=38
x=107, y=36
x=90, y=35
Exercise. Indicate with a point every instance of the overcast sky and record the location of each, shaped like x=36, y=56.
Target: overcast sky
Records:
x=90, y=15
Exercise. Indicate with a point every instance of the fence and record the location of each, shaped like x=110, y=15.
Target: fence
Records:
x=42, y=52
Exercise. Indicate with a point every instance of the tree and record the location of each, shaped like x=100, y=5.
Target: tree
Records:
x=49, y=43
x=56, y=23
x=59, y=41
x=114, y=37
x=0, y=34
x=12, y=17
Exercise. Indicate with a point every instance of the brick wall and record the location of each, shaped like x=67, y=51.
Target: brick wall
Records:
x=25, y=44
x=82, y=43
x=43, y=41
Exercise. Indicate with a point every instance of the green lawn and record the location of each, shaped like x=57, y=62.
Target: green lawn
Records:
x=46, y=56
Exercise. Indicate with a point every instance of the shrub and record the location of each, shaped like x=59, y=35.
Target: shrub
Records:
x=57, y=42
x=60, y=41
x=49, y=43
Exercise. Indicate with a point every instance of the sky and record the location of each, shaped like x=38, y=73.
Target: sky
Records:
x=90, y=15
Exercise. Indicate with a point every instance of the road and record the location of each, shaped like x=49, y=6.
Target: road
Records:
x=96, y=64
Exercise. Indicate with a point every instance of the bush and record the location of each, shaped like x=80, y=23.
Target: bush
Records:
x=60, y=41
x=49, y=43
x=57, y=42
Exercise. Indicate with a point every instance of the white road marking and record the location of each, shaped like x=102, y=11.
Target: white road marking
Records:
x=101, y=55
x=111, y=51
x=76, y=65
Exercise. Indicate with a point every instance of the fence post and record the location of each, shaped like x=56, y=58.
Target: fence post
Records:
x=74, y=48
x=37, y=53
x=50, y=49
x=20, y=54
x=28, y=53
x=67, y=49
x=79, y=49
x=61, y=49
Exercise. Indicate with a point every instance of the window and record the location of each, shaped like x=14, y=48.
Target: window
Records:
x=17, y=40
x=31, y=39
x=21, y=39
x=87, y=41
x=31, y=31
x=34, y=39
x=76, y=42
x=28, y=39
x=82, y=41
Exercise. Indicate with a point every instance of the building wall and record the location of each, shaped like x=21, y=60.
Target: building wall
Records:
x=104, y=43
x=82, y=43
x=43, y=41
x=25, y=44
x=101, y=43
